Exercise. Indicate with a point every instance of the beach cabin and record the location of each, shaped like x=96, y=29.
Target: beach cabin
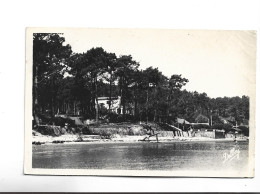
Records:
x=209, y=133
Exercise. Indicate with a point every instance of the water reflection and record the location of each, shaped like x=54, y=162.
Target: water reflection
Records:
x=142, y=156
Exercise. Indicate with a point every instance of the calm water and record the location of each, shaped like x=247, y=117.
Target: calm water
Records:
x=141, y=156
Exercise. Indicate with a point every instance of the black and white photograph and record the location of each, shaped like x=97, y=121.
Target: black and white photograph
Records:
x=140, y=102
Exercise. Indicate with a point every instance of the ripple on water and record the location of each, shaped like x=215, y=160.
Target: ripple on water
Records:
x=141, y=156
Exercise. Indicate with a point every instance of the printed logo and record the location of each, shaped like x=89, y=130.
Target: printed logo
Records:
x=234, y=153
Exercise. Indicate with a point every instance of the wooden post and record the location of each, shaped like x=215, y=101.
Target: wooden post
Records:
x=157, y=138
x=147, y=106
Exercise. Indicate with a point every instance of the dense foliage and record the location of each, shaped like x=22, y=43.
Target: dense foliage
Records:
x=70, y=83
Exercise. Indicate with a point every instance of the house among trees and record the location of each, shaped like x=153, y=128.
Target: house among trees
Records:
x=115, y=104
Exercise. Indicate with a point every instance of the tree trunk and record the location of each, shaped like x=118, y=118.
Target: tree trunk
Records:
x=96, y=99
x=110, y=92
x=35, y=105
x=135, y=111
x=93, y=98
x=58, y=110
x=52, y=105
x=135, y=103
x=74, y=103
x=169, y=104
x=155, y=115
x=123, y=96
x=147, y=106
x=123, y=100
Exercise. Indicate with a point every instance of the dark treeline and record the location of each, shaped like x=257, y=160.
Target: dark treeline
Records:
x=70, y=83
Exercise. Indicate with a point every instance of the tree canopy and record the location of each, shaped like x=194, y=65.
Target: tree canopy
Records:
x=70, y=83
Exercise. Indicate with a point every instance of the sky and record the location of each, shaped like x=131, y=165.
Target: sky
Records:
x=219, y=63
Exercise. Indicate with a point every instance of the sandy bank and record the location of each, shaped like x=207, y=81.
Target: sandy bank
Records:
x=83, y=139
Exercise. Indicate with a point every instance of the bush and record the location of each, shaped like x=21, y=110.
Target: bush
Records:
x=106, y=134
x=226, y=127
x=245, y=130
x=201, y=126
x=112, y=117
x=118, y=118
x=44, y=119
x=129, y=117
x=59, y=121
x=49, y=130
x=85, y=130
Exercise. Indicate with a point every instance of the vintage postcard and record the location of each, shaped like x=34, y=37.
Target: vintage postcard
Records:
x=140, y=102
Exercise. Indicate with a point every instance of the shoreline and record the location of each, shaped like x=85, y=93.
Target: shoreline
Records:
x=95, y=139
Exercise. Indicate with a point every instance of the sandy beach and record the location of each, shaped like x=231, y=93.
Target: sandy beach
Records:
x=84, y=139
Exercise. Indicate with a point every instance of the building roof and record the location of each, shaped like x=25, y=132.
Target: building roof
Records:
x=201, y=116
x=182, y=121
x=224, y=120
x=199, y=124
x=107, y=98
